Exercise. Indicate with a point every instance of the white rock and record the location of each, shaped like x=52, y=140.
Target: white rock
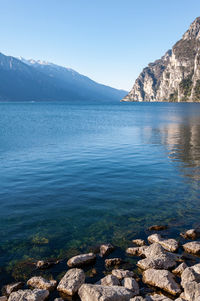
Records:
x=157, y=297
x=139, y=242
x=71, y=281
x=81, y=259
x=90, y=292
x=168, y=244
x=138, y=298
x=162, y=279
x=109, y=280
x=136, y=251
x=120, y=274
x=29, y=295
x=192, y=247
x=131, y=284
x=41, y=283
x=9, y=288
x=179, y=270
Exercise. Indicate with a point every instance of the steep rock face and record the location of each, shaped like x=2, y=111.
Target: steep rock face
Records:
x=176, y=76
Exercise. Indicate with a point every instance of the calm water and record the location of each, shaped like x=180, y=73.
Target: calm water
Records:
x=72, y=176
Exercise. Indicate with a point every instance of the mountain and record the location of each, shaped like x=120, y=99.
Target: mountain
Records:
x=176, y=76
x=29, y=80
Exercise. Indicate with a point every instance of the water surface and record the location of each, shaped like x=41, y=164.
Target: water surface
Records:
x=73, y=175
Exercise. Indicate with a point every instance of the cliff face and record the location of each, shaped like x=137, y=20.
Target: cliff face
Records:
x=176, y=76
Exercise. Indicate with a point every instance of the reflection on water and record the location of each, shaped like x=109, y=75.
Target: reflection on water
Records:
x=76, y=175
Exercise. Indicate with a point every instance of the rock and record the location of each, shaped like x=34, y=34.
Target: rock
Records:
x=81, y=260
x=131, y=284
x=3, y=298
x=139, y=242
x=136, y=251
x=162, y=279
x=71, y=281
x=157, y=297
x=179, y=270
x=41, y=283
x=191, y=234
x=156, y=258
x=168, y=244
x=109, y=280
x=41, y=264
x=191, y=274
x=157, y=228
x=120, y=274
x=90, y=292
x=138, y=298
x=160, y=262
x=113, y=262
x=192, y=247
x=58, y=299
x=106, y=249
x=180, y=299
x=29, y=295
x=192, y=291
x=9, y=288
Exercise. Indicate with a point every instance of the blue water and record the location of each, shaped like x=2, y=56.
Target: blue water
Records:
x=73, y=175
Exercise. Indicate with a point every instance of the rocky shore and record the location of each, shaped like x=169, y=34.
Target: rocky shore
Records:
x=165, y=270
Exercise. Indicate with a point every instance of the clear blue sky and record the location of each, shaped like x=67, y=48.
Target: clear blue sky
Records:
x=107, y=40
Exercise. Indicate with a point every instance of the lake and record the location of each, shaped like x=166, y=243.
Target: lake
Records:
x=75, y=175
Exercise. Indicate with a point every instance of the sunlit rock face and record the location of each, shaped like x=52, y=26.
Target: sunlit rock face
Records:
x=176, y=76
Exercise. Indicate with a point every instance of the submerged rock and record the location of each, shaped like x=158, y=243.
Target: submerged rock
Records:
x=80, y=260
x=112, y=262
x=139, y=242
x=106, y=249
x=109, y=280
x=168, y=244
x=9, y=288
x=71, y=281
x=120, y=274
x=162, y=279
x=192, y=247
x=91, y=292
x=41, y=283
x=29, y=295
x=131, y=284
x=157, y=228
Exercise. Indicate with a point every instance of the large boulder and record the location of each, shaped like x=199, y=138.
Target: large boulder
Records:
x=81, y=260
x=156, y=258
x=41, y=283
x=190, y=281
x=91, y=292
x=162, y=279
x=192, y=247
x=71, y=281
x=29, y=295
x=168, y=244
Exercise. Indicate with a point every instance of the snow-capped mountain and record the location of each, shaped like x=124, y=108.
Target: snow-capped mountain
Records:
x=28, y=80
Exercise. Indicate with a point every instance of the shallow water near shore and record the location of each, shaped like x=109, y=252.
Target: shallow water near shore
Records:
x=75, y=175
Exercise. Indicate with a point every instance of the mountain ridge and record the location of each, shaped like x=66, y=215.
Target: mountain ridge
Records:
x=176, y=76
x=30, y=80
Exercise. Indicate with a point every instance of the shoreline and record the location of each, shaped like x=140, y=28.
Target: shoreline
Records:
x=110, y=270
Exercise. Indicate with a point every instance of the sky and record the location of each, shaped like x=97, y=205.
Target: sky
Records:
x=110, y=41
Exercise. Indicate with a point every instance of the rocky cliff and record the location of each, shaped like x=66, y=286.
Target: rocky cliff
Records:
x=176, y=76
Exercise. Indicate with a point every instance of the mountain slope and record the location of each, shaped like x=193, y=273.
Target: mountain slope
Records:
x=23, y=80
x=176, y=76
